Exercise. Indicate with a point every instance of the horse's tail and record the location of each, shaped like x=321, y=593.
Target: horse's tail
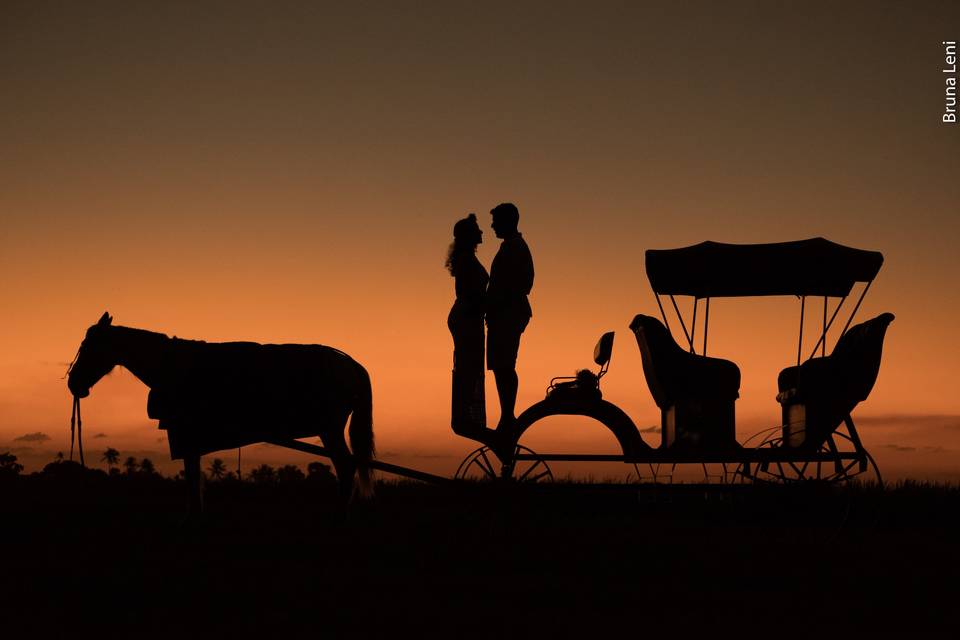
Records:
x=361, y=431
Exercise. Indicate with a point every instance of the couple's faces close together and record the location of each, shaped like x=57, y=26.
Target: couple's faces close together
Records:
x=474, y=235
x=477, y=233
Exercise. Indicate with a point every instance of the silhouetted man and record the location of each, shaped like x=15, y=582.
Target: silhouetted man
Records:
x=508, y=309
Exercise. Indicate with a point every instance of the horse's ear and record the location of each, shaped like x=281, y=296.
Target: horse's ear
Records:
x=105, y=319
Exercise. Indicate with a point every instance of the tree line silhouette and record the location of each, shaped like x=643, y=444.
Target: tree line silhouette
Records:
x=144, y=468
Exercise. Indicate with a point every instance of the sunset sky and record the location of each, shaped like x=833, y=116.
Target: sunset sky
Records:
x=291, y=172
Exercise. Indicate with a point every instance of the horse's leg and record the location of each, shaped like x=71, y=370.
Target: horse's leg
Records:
x=342, y=459
x=194, y=478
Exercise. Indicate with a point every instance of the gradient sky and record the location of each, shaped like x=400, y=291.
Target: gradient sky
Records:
x=290, y=172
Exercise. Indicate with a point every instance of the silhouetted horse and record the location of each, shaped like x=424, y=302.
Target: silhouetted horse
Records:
x=212, y=396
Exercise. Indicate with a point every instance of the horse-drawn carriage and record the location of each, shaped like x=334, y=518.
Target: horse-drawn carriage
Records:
x=696, y=394
x=219, y=396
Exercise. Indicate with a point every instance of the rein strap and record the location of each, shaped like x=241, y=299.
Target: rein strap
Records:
x=76, y=426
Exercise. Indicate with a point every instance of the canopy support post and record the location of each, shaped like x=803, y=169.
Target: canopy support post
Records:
x=823, y=336
x=680, y=317
x=663, y=314
x=803, y=302
x=693, y=325
x=829, y=324
x=706, y=326
x=856, y=308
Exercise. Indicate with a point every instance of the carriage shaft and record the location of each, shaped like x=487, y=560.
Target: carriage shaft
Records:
x=406, y=472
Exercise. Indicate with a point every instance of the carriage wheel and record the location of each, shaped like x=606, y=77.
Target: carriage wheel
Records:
x=862, y=468
x=482, y=464
x=654, y=472
x=734, y=474
x=834, y=509
x=663, y=473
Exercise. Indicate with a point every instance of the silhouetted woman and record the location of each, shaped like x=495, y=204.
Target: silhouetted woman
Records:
x=469, y=416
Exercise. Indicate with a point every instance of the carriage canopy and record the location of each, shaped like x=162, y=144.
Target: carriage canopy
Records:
x=814, y=267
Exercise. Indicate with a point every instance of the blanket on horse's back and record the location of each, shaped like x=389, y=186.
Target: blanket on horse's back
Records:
x=216, y=396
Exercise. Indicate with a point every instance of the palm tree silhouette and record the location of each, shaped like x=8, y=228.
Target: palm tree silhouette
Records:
x=9, y=465
x=147, y=467
x=131, y=465
x=112, y=457
x=217, y=469
x=317, y=472
x=264, y=475
x=289, y=474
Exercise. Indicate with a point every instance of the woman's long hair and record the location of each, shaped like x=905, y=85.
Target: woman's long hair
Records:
x=464, y=243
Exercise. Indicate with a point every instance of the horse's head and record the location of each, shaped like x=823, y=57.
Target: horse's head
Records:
x=96, y=358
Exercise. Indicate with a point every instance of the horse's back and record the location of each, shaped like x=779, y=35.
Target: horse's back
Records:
x=234, y=393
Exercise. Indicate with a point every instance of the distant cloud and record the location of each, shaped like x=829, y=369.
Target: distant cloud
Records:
x=897, y=447
x=651, y=429
x=915, y=426
x=426, y=455
x=54, y=363
x=32, y=437
x=101, y=435
x=925, y=419
x=924, y=449
x=19, y=451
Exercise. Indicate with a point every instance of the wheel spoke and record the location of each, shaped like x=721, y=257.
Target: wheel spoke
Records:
x=480, y=465
x=530, y=470
x=487, y=465
x=846, y=469
x=484, y=472
x=782, y=475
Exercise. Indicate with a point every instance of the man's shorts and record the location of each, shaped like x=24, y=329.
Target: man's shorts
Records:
x=503, y=343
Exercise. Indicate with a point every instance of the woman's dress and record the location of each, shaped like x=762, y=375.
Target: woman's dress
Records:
x=465, y=321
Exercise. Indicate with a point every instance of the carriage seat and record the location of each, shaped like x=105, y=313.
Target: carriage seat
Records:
x=820, y=393
x=695, y=394
x=585, y=385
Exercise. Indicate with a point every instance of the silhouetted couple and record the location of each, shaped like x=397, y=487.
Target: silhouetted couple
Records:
x=501, y=300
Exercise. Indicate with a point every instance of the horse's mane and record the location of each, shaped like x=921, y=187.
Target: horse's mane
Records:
x=140, y=333
x=174, y=341
x=170, y=341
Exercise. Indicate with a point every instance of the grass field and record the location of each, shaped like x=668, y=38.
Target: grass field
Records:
x=106, y=556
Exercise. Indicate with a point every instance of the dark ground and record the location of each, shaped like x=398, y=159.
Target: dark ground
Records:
x=87, y=555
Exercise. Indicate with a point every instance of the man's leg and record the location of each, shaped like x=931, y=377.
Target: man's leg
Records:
x=503, y=344
x=507, y=383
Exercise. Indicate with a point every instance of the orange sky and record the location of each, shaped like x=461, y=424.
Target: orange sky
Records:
x=292, y=173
